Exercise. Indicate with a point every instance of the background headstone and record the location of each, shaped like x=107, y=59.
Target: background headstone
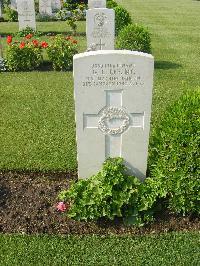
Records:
x=45, y=7
x=56, y=5
x=13, y=4
x=26, y=14
x=100, y=28
x=113, y=95
x=96, y=3
x=0, y=9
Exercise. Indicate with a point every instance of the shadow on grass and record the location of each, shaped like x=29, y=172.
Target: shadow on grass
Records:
x=166, y=65
x=47, y=66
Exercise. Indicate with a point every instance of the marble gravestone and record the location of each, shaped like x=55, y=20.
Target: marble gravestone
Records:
x=113, y=95
x=0, y=9
x=100, y=29
x=56, y=5
x=26, y=14
x=96, y=4
x=45, y=7
x=13, y=4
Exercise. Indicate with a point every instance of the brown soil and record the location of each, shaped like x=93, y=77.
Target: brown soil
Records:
x=28, y=205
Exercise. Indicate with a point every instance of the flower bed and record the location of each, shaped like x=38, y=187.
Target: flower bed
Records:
x=27, y=53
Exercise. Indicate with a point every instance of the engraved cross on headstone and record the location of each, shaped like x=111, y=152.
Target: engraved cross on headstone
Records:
x=113, y=121
x=100, y=44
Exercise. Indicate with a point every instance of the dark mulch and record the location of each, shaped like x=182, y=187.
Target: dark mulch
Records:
x=28, y=205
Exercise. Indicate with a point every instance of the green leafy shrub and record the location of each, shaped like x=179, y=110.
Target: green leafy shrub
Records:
x=2, y=65
x=134, y=37
x=24, y=55
x=111, y=4
x=122, y=18
x=73, y=4
x=45, y=17
x=11, y=14
x=175, y=154
x=28, y=30
x=111, y=193
x=61, y=52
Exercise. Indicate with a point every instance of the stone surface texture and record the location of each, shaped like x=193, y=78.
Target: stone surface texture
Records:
x=13, y=4
x=26, y=14
x=56, y=4
x=45, y=7
x=96, y=3
x=113, y=95
x=100, y=28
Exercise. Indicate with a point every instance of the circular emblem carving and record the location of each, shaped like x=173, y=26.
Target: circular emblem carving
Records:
x=100, y=19
x=113, y=113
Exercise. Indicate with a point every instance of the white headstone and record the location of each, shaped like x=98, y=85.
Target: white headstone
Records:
x=113, y=95
x=100, y=29
x=56, y=4
x=96, y=3
x=26, y=14
x=45, y=7
x=0, y=9
x=13, y=4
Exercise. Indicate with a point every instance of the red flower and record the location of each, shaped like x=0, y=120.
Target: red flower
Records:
x=68, y=38
x=9, y=39
x=22, y=45
x=35, y=43
x=29, y=36
x=74, y=41
x=44, y=44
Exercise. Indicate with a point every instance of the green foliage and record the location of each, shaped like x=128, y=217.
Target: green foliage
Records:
x=61, y=52
x=111, y=4
x=26, y=31
x=45, y=17
x=111, y=193
x=23, y=56
x=2, y=65
x=70, y=17
x=74, y=4
x=11, y=14
x=134, y=37
x=175, y=154
x=122, y=18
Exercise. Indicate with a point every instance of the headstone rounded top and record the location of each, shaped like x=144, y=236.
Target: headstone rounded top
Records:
x=113, y=52
x=96, y=4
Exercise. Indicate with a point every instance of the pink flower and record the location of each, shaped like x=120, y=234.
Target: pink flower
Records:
x=61, y=206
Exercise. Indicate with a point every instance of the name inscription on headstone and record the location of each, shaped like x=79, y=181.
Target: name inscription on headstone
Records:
x=113, y=75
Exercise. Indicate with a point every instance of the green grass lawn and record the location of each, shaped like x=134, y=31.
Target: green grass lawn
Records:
x=169, y=249
x=37, y=128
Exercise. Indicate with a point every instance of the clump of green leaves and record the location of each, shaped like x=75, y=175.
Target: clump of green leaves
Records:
x=111, y=4
x=2, y=65
x=61, y=52
x=175, y=154
x=111, y=193
x=122, y=18
x=28, y=30
x=10, y=14
x=135, y=38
